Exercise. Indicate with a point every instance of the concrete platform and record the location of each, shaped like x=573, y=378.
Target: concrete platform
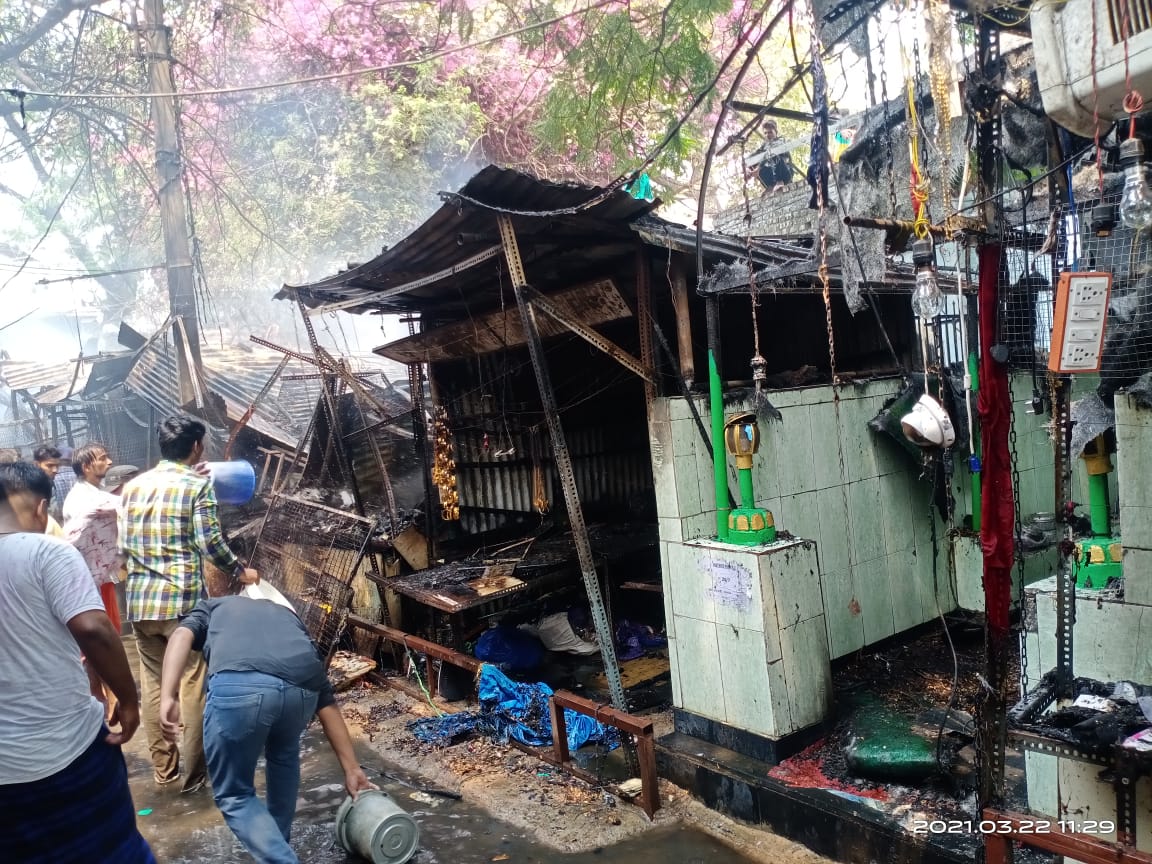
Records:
x=829, y=824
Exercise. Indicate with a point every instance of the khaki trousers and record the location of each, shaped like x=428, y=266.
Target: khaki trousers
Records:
x=151, y=641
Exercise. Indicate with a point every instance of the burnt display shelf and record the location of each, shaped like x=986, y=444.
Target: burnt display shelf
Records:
x=465, y=584
x=1027, y=729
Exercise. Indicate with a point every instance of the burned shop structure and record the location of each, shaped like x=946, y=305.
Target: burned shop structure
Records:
x=563, y=333
x=741, y=475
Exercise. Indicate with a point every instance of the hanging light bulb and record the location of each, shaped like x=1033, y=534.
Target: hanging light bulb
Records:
x=926, y=299
x=1136, y=202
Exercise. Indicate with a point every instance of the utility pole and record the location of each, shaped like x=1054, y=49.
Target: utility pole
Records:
x=173, y=213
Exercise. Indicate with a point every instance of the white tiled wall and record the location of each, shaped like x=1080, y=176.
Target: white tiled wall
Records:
x=826, y=477
x=757, y=661
x=1134, y=478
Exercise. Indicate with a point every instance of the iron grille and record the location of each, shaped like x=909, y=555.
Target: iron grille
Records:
x=1139, y=18
x=310, y=553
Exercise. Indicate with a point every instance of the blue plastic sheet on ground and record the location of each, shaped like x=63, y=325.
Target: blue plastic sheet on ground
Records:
x=512, y=710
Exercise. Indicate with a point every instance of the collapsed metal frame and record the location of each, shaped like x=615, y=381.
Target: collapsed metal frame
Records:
x=311, y=553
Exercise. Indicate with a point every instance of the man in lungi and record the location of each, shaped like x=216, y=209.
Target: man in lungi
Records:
x=265, y=683
x=64, y=796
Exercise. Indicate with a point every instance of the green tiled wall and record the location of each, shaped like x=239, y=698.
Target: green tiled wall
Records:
x=826, y=477
x=861, y=497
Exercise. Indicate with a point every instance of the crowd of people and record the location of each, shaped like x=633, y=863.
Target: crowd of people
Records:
x=223, y=680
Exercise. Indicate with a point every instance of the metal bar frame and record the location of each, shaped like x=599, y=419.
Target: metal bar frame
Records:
x=588, y=334
x=644, y=316
x=1083, y=847
x=478, y=258
x=640, y=729
x=562, y=459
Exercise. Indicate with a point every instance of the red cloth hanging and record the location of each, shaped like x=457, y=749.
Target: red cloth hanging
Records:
x=997, y=512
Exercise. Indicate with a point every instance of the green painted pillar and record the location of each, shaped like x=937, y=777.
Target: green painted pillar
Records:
x=1098, y=505
x=719, y=457
x=747, y=495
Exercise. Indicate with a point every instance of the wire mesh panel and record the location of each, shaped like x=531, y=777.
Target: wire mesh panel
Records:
x=1105, y=244
x=121, y=425
x=21, y=434
x=1092, y=238
x=1024, y=322
x=311, y=553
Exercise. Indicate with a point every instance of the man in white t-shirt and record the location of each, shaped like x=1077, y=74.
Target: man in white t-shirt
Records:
x=64, y=796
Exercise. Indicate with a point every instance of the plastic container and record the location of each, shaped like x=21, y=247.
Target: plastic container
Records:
x=234, y=482
x=374, y=827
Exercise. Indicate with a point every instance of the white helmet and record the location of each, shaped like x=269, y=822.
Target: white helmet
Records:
x=928, y=424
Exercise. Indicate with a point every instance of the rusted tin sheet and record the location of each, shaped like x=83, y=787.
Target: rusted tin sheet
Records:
x=591, y=304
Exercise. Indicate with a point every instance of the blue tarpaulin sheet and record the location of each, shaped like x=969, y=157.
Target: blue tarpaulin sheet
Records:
x=512, y=710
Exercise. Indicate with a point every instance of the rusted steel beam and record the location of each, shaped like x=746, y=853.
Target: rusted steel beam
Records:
x=587, y=333
x=649, y=781
x=1021, y=828
x=255, y=403
x=628, y=723
x=422, y=646
x=644, y=320
x=559, y=732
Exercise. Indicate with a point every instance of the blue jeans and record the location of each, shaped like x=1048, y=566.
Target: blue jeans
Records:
x=248, y=714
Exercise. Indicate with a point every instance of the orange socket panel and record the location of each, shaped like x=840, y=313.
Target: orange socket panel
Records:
x=1079, y=321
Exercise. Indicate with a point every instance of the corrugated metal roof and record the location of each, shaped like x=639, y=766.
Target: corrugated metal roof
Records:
x=30, y=375
x=460, y=231
x=238, y=375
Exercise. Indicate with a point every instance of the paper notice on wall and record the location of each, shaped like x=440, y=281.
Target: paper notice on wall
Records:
x=731, y=583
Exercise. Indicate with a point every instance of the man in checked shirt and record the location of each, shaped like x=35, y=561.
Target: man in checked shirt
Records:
x=168, y=523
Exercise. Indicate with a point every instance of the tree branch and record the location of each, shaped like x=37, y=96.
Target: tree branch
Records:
x=53, y=16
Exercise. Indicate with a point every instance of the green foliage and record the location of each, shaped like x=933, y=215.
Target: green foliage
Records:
x=286, y=184
x=630, y=78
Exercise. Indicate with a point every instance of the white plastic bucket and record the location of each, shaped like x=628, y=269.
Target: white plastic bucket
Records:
x=374, y=827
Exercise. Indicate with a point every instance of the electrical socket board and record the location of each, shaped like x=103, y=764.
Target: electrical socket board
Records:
x=1078, y=322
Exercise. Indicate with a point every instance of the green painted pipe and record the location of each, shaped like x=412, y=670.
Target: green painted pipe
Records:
x=747, y=496
x=719, y=458
x=977, y=496
x=1098, y=505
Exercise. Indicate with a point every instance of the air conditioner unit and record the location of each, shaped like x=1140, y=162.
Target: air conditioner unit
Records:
x=1062, y=36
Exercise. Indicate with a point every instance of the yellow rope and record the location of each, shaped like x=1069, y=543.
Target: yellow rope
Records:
x=921, y=227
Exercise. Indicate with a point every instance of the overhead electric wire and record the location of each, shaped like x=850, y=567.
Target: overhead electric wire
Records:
x=51, y=222
x=622, y=180
x=328, y=76
x=100, y=274
x=710, y=155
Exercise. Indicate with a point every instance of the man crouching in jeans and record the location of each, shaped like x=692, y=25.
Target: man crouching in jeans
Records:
x=265, y=683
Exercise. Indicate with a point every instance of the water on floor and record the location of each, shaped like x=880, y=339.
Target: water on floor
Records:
x=188, y=829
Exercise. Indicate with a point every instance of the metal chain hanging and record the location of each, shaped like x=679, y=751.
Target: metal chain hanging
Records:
x=919, y=177
x=820, y=168
x=891, y=132
x=1018, y=548
x=759, y=364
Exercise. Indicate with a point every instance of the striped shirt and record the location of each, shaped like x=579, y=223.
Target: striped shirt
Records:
x=168, y=522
